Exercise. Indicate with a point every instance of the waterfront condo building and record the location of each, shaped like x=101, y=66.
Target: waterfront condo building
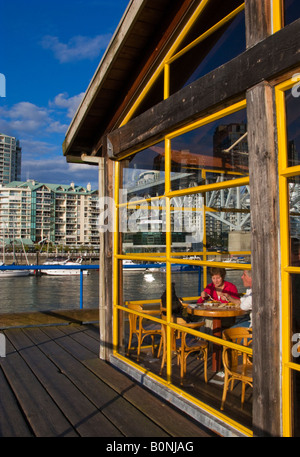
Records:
x=10, y=159
x=62, y=214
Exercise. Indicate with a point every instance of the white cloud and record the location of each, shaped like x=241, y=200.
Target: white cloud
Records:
x=70, y=104
x=24, y=117
x=41, y=131
x=57, y=127
x=57, y=170
x=78, y=48
x=34, y=148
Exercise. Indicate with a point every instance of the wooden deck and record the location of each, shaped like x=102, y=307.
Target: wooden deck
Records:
x=53, y=385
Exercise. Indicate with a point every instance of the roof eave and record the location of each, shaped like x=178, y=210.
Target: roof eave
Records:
x=96, y=83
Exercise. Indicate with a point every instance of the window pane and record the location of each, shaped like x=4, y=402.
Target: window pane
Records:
x=226, y=216
x=292, y=121
x=295, y=309
x=296, y=402
x=291, y=11
x=143, y=226
x=218, y=146
x=294, y=210
x=228, y=219
x=223, y=45
x=143, y=173
x=187, y=222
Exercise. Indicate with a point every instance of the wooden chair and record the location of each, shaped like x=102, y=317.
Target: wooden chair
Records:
x=183, y=345
x=137, y=327
x=237, y=364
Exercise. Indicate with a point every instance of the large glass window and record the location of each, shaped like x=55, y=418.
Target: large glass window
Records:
x=174, y=225
x=183, y=208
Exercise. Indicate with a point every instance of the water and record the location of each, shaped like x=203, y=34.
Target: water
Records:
x=42, y=293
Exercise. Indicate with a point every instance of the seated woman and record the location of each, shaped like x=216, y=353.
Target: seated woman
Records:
x=219, y=289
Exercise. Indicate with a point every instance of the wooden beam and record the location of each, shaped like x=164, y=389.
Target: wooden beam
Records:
x=263, y=175
x=258, y=21
x=228, y=83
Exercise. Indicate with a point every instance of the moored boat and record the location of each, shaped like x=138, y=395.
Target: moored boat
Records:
x=12, y=273
x=63, y=271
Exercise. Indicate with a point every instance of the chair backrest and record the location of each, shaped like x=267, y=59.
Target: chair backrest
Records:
x=238, y=335
x=134, y=322
x=134, y=306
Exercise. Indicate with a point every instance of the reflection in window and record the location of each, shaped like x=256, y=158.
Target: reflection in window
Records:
x=143, y=174
x=291, y=11
x=295, y=291
x=223, y=45
x=143, y=226
x=218, y=146
x=296, y=402
x=187, y=222
x=292, y=121
x=225, y=214
x=294, y=197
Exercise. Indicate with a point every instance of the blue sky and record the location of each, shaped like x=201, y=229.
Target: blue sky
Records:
x=49, y=51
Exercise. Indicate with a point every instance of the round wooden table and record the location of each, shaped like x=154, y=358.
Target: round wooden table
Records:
x=216, y=314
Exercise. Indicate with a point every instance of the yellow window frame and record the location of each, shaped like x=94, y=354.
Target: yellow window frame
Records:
x=284, y=172
x=277, y=15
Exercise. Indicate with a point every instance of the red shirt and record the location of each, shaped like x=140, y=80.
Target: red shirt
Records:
x=228, y=288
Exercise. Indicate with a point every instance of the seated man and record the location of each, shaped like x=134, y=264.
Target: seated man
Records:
x=245, y=301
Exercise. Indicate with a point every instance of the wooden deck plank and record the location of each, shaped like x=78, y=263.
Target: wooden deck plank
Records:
x=157, y=410
x=62, y=388
x=169, y=418
x=69, y=344
x=129, y=420
x=86, y=419
x=42, y=413
x=87, y=339
x=12, y=421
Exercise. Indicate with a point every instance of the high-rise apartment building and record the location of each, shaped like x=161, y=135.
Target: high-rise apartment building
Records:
x=10, y=159
x=62, y=214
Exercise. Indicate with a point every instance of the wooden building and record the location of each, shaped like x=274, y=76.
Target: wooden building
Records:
x=203, y=95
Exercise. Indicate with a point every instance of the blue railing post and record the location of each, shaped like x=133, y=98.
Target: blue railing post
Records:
x=81, y=288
